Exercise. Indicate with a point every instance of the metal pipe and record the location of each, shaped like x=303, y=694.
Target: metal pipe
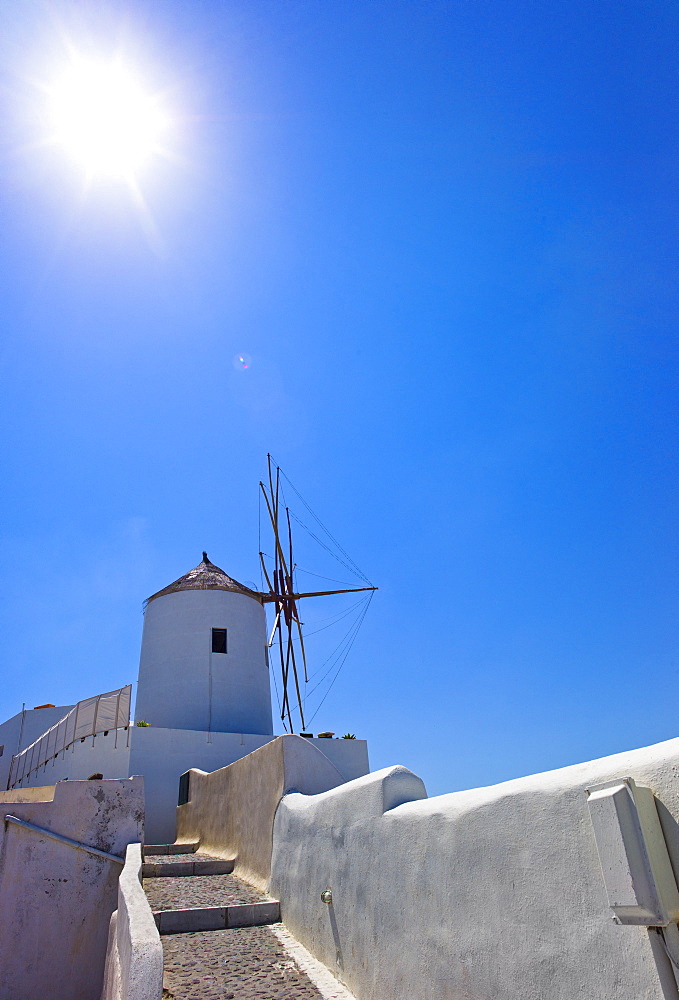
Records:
x=64, y=840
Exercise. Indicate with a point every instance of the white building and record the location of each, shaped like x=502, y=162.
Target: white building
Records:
x=203, y=664
x=203, y=689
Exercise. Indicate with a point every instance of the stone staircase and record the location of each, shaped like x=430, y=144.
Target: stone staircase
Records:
x=214, y=930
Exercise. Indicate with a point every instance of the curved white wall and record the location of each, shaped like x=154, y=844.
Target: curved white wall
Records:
x=489, y=894
x=184, y=685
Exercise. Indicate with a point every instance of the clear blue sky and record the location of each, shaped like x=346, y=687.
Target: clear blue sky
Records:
x=445, y=236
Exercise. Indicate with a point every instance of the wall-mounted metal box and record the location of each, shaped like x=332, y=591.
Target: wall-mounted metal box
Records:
x=636, y=867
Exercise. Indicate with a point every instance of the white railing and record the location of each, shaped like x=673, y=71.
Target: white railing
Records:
x=95, y=715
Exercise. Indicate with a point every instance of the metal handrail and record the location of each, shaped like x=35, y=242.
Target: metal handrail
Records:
x=64, y=840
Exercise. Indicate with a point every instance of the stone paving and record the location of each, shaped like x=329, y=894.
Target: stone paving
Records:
x=199, y=890
x=171, y=858
x=245, y=964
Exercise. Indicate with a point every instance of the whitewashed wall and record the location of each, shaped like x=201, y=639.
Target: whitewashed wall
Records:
x=55, y=900
x=183, y=685
x=489, y=894
x=230, y=812
x=161, y=756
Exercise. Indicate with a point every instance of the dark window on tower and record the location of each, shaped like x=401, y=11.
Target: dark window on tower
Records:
x=218, y=640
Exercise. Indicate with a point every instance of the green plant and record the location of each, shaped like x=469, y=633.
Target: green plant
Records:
x=141, y=723
x=349, y=736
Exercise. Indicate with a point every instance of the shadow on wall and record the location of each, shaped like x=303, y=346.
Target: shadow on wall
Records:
x=230, y=812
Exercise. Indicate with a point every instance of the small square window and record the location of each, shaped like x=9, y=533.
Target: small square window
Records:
x=218, y=640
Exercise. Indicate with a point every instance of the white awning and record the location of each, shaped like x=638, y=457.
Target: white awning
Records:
x=89, y=717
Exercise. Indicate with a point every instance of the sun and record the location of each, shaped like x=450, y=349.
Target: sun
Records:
x=104, y=119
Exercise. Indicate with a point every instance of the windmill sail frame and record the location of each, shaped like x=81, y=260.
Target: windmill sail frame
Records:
x=287, y=623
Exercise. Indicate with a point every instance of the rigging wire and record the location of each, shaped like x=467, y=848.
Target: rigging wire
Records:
x=317, y=519
x=319, y=575
x=299, y=569
x=365, y=611
x=334, y=619
x=337, y=651
x=282, y=715
x=342, y=650
x=328, y=549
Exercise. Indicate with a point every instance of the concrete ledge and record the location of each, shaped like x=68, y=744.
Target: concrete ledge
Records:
x=217, y=918
x=198, y=918
x=253, y=914
x=151, y=849
x=179, y=869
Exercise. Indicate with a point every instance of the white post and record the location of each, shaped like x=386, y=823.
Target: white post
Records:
x=94, y=720
x=116, y=720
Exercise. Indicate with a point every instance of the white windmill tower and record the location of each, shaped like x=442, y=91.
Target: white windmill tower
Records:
x=203, y=663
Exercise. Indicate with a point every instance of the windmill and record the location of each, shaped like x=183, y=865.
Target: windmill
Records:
x=287, y=625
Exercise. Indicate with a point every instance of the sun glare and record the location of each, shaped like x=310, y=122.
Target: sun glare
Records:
x=104, y=118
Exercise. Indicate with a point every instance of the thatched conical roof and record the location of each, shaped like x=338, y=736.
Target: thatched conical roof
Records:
x=205, y=576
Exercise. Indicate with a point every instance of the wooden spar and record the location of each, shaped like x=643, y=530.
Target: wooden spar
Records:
x=274, y=501
x=296, y=616
x=294, y=672
x=279, y=557
x=278, y=482
x=293, y=616
x=301, y=646
x=261, y=559
x=266, y=598
x=284, y=675
x=280, y=574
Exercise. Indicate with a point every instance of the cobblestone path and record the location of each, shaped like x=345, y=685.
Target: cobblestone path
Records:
x=171, y=858
x=244, y=964
x=199, y=890
x=247, y=963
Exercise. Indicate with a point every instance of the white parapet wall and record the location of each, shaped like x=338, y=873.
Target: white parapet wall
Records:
x=490, y=893
x=56, y=897
x=230, y=812
x=163, y=755
x=160, y=755
x=134, y=957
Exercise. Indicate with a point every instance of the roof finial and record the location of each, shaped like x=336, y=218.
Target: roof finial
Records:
x=205, y=558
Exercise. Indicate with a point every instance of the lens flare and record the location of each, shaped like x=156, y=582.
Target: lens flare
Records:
x=242, y=361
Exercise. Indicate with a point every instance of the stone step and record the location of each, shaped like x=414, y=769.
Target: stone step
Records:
x=150, y=849
x=217, y=918
x=179, y=869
